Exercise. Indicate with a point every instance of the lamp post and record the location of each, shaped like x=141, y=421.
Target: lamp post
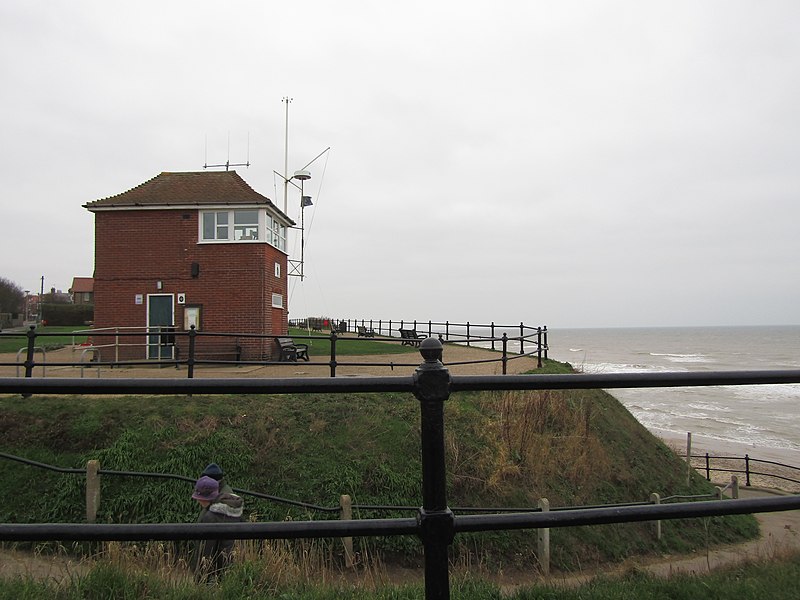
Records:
x=302, y=176
x=25, y=308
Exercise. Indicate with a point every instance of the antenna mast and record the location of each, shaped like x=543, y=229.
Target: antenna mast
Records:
x=228, y=164
x=286, y=100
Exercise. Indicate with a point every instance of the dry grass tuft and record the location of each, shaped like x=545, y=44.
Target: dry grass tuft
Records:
x=530, y=438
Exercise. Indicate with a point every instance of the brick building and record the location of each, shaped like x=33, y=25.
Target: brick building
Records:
x=82, y=290
x=198, y=248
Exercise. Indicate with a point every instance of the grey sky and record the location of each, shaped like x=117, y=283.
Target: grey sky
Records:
x=574, y=164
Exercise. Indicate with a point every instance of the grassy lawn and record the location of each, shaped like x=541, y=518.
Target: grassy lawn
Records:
x=319, y=344
x=55, y=337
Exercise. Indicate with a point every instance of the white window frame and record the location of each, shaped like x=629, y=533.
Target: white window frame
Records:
x=276, y=235
x=270, y=229
x=277, y=300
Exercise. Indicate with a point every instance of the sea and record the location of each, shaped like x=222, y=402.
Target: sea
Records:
x=756, y=419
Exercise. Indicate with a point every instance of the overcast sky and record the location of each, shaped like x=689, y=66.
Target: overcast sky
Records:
x=570, y=164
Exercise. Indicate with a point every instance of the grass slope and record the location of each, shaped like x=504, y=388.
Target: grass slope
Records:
x=572, y=447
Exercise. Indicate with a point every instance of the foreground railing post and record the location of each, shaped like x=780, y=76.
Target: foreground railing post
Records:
x=31, y=333
x=747, y=470
x=505, y=353
x=539, y=348
x=543, y=541
x=545, y=342
x=333, y=353
x=190, y=360
x=92, y=490
x=436, y=521
x=656, y=499
x=346, y=514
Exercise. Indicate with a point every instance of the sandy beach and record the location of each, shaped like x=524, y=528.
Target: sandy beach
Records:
x=724, y=448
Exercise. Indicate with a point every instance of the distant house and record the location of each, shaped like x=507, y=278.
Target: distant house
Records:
x=197, y=248
x=82, y=290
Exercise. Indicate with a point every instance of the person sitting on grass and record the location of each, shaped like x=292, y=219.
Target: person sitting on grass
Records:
x=212, y=557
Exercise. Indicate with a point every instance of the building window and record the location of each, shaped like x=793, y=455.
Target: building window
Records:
x=277, y=300
x=245, y=225
x=215, y=225
x=277, y=235
x=242, y=225
x=278, y=270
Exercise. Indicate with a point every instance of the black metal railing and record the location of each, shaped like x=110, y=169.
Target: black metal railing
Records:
x=745, y=465
x=435, y=523
x=192, y=348
x=487, y=335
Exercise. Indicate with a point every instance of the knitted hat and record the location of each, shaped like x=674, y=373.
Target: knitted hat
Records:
x=214, y=471
x=206, y=488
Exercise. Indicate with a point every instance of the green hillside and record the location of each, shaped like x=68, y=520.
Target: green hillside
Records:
x=503, y=449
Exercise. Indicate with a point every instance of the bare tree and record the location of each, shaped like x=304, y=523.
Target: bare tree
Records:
x=12, y=296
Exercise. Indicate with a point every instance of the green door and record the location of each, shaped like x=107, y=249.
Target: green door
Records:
x=161, y=327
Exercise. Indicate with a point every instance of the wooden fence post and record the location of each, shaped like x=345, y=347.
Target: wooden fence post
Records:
x=656, y=499
x=92, y=490
x=544, y=541
x=346, y=504
x=735, y=487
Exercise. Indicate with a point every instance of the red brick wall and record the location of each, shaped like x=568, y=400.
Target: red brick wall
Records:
x=135, y=249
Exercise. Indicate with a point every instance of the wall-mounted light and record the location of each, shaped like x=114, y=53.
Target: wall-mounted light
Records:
x=159, y=285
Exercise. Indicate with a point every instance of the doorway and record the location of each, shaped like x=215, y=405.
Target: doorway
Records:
x=160, y=327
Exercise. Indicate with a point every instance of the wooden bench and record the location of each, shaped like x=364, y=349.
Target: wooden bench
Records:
x=291, y=352
x=364, y=332
x=410, y=337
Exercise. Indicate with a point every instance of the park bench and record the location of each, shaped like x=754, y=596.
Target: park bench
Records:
x=410, y=337
x=291, y=352
x=364, y=332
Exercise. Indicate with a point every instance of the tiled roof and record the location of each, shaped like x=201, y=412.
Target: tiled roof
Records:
x=82, y=284
x=186, y=189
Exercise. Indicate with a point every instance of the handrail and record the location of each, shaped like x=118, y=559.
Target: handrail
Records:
x=336, y=509
x=435, y=523
x=187, y=352
x=747, y=470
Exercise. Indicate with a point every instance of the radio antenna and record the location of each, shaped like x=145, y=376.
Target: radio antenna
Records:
x=228, y=163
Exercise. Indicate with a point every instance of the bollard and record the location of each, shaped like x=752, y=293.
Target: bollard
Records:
x=346, y=504
x=656, y=499
x=92, y=490
x=543, y=539
x=735, y=487
x=435, y=519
